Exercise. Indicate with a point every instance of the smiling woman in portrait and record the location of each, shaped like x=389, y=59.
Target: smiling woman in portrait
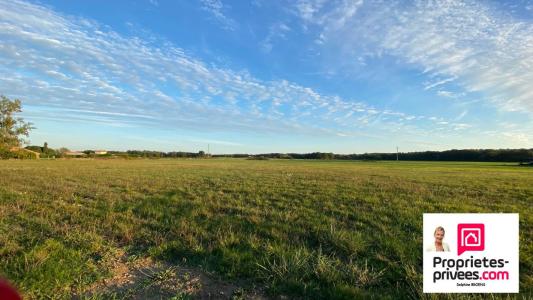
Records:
x=438, y=245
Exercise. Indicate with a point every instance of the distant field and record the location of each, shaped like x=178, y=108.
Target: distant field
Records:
x=309, y=229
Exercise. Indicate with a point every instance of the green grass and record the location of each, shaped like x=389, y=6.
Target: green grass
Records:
x=309, y=229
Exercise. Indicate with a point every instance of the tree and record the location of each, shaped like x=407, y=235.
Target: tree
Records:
x=12, y=128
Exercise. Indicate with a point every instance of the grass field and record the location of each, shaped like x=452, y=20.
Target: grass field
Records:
x=308, y=229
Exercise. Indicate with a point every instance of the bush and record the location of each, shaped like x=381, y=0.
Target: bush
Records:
x=6, y=153
x=21, y=154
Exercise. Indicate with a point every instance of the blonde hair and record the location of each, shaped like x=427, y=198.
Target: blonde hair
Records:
x=439, y=228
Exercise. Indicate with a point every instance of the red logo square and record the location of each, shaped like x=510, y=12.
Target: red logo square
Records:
x=470, y=237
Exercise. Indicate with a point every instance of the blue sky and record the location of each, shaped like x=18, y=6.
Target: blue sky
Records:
x=271, y=76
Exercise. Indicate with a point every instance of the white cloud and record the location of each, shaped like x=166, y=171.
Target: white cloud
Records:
x=518, y=137
x=307, y=9
x=75, y=67
x=216, y=9
x=461, y=115
x=440, y=82
x=276, y=31
x=473, y=45
x=446, y=94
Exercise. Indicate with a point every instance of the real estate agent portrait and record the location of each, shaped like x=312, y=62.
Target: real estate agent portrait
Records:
x=438, y=245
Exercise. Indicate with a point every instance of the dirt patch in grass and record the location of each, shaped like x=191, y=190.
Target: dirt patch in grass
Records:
x=145, y=278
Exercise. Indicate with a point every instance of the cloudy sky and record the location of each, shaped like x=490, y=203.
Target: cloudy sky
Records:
x=271, y=76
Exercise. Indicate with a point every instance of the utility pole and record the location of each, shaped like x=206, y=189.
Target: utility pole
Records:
x=208, y=150
x=397, y=154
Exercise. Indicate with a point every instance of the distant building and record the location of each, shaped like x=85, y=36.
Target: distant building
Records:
x=74, y=154
x=100, y=152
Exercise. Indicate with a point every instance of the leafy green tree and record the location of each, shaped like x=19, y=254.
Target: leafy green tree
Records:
x=12, y=128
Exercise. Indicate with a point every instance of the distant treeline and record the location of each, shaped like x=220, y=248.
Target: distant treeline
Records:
x=46, y=152
x=489, y=155
x=157, y=154
x=498, y=155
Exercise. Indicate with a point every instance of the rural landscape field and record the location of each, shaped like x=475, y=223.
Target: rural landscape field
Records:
x=287, y=149
x=265, y=229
